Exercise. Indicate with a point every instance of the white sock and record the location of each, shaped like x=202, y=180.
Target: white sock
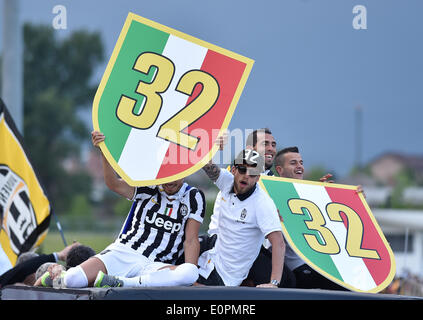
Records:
x=183, y=275
x=130, y=282
x=75, y=278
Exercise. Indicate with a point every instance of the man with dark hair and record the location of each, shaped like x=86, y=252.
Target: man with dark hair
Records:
x=246, y=216
x=289, y=163
x=286, y=150
x=24, y=272
x=264, y=143
x=78, y=254
x=49, y=274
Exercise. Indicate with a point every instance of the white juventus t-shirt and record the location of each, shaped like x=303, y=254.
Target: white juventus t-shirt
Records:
x=292, y=260
x=243, y=223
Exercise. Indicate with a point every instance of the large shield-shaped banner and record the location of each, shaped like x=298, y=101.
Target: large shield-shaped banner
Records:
x=163, y=100
x=331, y=227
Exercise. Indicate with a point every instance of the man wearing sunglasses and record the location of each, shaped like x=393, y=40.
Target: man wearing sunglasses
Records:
x=247, y=215
x=260, y=140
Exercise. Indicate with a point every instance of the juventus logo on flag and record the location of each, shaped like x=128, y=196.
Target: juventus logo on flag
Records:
x=24, y=208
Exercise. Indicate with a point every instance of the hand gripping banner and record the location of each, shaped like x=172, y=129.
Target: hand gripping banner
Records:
x=163, y=100
x=331, y=227
x=24, y=208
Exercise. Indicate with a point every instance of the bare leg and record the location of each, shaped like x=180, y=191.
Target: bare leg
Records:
x=91, y=267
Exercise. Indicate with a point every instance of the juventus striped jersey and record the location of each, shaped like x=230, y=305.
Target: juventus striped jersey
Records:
x=156, y=222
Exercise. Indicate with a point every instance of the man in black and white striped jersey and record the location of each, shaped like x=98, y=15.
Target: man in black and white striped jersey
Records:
x=163, y=220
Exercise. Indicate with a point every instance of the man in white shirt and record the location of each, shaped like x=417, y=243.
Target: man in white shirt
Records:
x=262, y=141
x=247, y=215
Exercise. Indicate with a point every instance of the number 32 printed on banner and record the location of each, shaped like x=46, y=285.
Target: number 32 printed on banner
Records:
x=330, y=244
x=170, y=130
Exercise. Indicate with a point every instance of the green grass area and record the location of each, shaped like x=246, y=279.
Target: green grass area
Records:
x=96, y=240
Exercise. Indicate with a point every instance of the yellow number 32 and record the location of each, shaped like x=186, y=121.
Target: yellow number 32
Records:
x=170, y=130
x=330, y=244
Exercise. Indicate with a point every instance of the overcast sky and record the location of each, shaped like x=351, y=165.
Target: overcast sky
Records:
x=312, y=67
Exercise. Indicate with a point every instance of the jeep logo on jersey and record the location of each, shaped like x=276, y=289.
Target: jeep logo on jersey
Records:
x=18, y=214
x=163, y=222
x=163, y=100
x=331, y=227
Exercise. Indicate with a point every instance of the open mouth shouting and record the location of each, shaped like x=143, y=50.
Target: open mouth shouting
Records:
x=243, y=184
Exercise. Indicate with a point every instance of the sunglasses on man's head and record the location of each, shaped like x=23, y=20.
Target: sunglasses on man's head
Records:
x=243, y=170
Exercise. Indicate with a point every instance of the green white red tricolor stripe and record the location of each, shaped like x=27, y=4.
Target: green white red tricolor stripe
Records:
x=168, y=211
x=158, y=149
x=356, y=273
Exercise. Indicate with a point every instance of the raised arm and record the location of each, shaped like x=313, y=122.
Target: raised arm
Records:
x=212, y=171
x=112, y=181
